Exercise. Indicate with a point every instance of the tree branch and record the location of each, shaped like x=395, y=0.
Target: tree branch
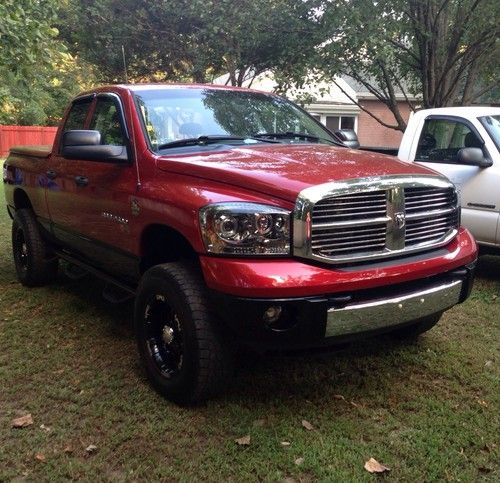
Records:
x=354, y=101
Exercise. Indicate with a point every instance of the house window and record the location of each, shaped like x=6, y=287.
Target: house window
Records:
x=347, y=122
x=332, y=122
x=340, y=122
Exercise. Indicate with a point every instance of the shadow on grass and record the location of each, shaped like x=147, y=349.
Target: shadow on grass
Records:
x=306, y=376
x=488, y=266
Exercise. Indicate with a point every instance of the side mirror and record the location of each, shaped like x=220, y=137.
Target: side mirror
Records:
x=473, y=157
x=348, y=137
x=86, y=145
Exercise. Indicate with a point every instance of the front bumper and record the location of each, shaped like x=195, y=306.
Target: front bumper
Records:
x=337, y=318
x=393, y=311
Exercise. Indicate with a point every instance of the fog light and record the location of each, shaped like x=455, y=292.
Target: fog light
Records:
x=272, y=314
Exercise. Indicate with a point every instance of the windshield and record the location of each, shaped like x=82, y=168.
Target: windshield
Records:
x=492, y=125
x=231, y=117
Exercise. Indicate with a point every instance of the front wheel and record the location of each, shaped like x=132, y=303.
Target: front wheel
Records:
x=35, y=264
x=185, y=357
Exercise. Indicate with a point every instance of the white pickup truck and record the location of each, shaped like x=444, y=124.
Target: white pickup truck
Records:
x=462, y=143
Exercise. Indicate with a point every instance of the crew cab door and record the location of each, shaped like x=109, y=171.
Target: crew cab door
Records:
x=91, y=207
x=440, y=141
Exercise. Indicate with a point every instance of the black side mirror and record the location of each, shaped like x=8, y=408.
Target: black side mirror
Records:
x=86, y=145
x=473, y=157
x=348, y=137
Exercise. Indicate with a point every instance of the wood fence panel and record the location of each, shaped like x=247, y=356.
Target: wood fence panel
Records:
x=23, y=136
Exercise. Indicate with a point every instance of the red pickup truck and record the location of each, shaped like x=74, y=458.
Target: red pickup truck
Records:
x=234, y=217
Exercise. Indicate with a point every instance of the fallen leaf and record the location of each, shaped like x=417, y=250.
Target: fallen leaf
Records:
x=40, y=457
x=244, y=441
x=285, y=443
x=45, y=428
x=23, y=421
x=91, y=448
x=307, y=425
x=299, y=461
x=373, y=466
x=488, y=363
x=339, y=397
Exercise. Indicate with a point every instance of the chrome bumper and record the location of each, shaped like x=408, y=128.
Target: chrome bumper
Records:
x=388, y=312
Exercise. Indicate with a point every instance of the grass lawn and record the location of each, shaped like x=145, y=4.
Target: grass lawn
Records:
x=429, y=411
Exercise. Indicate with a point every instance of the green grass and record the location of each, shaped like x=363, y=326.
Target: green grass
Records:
x=429, y=411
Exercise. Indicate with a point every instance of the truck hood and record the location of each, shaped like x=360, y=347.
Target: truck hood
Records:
x=285, y=170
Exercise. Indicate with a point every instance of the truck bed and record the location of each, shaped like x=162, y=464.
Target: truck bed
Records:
x=32, y=151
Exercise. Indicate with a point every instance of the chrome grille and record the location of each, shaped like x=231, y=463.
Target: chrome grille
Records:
x=430, y=214
x=430, y=199
x=375, y=218
x=350, y=207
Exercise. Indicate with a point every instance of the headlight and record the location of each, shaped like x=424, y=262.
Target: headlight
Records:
x=245, y=229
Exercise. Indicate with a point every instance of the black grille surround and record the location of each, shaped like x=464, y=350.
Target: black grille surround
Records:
x=375, y=218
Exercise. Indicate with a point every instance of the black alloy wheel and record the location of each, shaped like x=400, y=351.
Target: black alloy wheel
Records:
x=34, y=259
x=164, y=336
x=185, y=356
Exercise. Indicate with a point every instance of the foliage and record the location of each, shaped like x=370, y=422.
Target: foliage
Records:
x=26, y=34
x=443, y=51
x=190, y=39
x=37, y=75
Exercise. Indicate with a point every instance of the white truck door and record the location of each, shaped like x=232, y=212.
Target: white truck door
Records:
x=441, y=139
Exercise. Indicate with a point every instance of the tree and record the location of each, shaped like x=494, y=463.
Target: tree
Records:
x=37, y=75
x=190, y=39
x=26, y=34
x=444, y=51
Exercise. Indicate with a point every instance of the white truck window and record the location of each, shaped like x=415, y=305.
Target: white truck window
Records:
x=442, y=139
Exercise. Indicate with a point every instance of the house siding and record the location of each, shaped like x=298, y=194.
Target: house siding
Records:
x=372, y=133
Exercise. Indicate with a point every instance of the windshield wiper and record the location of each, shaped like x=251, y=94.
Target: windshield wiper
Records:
x=209, y=139
x=291, y=135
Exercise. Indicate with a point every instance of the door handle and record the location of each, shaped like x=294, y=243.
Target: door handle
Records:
x=51, y=174
x=81, y=181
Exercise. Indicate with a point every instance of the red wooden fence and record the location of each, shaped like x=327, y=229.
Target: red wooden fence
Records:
x=24, y=135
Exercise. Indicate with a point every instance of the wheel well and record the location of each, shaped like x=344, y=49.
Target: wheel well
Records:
x=21, y=200
x=162, y=244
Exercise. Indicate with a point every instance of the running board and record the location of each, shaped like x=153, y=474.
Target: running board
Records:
x=98, y=273
x=115, y=295
x=75, y=272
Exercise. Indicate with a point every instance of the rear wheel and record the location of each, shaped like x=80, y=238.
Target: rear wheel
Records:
x=412, y=331
x=185, y=357
x=34, y=261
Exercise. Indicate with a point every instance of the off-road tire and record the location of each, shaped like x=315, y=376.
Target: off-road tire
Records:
x=417, y=328
x=207, y=364
x=35, y=263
